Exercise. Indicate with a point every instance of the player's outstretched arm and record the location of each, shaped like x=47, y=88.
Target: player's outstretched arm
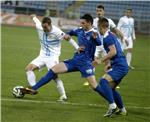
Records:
x=36, y=21
x=71, y=41
x=32, y=16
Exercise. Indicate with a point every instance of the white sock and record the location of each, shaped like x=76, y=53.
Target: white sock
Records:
x=128, y=57
x=60, y=87
x=123, y=109
x=112, y=105
x=31, y=78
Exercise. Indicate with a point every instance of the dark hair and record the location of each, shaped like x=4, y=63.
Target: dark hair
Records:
x=103, y=22
x=130, y=9
x=88, y=18
x=46, y=20
x=101, y=6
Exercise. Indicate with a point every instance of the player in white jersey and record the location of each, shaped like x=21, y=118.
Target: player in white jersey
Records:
x=126, y=26
x=112, y=27
x=50, y=40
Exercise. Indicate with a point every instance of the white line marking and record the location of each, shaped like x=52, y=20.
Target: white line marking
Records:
x=68, y=103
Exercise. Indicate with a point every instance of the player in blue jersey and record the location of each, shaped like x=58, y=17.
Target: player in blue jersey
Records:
x=88, y=39
x=119, y=68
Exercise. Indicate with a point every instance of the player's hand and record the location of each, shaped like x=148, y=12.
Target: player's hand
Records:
x=95, y=34
x=96, y=62
x=80, y=49
x=67, y=37
x=126, y=42
x=32, y=15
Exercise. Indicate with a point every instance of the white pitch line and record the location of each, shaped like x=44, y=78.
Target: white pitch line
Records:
x=68, y=103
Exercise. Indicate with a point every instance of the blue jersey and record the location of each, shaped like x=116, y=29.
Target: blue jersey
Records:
x=118, y=62
x=110, y=39
x=86, y=40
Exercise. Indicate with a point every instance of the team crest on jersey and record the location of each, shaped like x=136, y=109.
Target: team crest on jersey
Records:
x=51, y=36
x=88, y=37
x=89, y=71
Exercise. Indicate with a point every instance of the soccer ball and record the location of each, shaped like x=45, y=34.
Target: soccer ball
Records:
x=17, y=92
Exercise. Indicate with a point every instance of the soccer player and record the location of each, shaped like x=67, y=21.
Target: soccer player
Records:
x=126, y=25
x=119, y=68
x=50, y=40
x=100, y=11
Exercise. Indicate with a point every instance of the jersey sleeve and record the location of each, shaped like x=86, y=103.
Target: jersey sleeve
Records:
x=37, y=23
x=98, y=41
x=60, y=34
x=109, y=41
x=112, y=24
x=120, y=23
x=95, y=22
x=133, y=32
x=73, y=32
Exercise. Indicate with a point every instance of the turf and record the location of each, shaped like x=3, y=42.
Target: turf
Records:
x=20, y=45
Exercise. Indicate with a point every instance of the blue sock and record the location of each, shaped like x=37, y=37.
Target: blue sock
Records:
x=118, y=99
x=49, y=76
x=104, y=90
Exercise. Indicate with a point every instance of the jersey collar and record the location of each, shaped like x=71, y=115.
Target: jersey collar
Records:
x=106, y=34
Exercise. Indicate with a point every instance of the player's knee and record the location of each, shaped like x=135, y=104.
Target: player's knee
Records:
x=129, y=50
x=55, y=77
x=30, y=67
x=50, y=75
x=107, y=77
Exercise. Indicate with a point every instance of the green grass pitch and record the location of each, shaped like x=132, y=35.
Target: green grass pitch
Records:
x=20, y=45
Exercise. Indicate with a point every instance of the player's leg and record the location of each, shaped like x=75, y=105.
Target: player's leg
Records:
x=37, y=63
x=105, y=82
x=60, y=88
x=129, y=53
x=102, y=88
x=30, y=74
x=105, y=91
x=51, y=74
x=117, y=74
x=50, y=62
x=118, y=100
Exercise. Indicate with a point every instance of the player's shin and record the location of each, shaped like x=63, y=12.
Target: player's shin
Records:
x=61, y=88
x=31, y=78
x=128, y=57
x=118, y=99
x=105, y=90
x=48, y=77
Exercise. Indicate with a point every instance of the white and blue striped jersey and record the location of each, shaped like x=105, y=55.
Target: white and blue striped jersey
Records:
x=50, y=42
x=126, y=26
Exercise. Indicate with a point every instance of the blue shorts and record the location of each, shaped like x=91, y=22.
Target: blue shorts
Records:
x=117, y=73
x=85, y=68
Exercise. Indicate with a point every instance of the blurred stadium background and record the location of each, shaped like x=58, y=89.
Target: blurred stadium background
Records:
x=74, y=9
x=19, y=45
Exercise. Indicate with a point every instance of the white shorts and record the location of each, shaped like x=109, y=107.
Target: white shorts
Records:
x=49, y=62
x=124, y=45
x=130, y=43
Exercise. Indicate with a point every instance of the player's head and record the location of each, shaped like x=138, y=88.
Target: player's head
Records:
x=100, y=11
x=86, y=21
x=46, y=24
x=103, y=25
x=128, y=12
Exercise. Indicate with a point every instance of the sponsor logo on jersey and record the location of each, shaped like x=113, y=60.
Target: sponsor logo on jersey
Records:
x=89, y=71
